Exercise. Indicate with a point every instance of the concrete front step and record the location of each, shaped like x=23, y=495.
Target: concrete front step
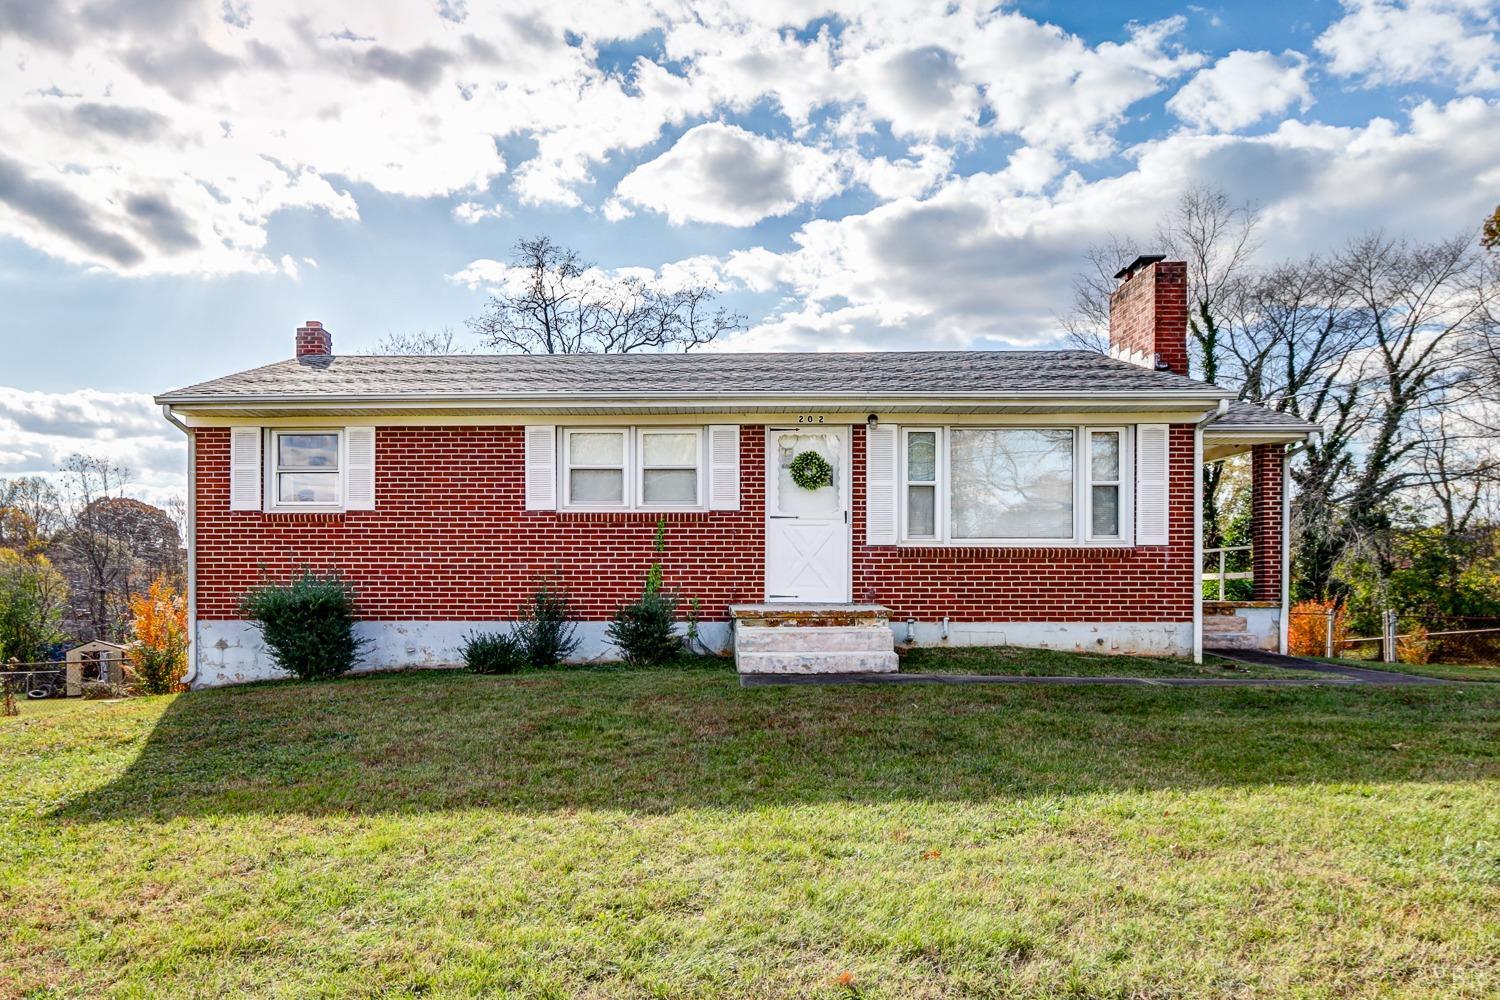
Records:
x=1223, y=624
x=814, y=639
x=1229, y=641
x=868, y=662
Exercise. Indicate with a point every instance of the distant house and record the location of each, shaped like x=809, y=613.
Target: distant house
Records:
x=971, y=497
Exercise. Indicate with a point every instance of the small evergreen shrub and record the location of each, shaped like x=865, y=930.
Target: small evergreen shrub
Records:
x=308, y=624
x=494, y=653
x=643, y=630
x=547, y=635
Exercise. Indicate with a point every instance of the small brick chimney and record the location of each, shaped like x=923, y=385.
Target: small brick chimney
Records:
x=1148, y=314
x=313, y=340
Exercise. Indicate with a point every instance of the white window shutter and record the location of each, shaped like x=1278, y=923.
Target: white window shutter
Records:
x=880, y=485
x=1152, y=473
x=541, y=467
x=724, y=467
x=244, y=468
x=359, y=474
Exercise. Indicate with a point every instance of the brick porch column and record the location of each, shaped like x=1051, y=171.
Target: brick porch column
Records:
x=1265, y=520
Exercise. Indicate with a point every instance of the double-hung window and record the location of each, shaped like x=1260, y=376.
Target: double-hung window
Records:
x=670, y=462
x=1106, y=477
x=306, y=468
x=1015, y=485
x=922, y=484
x=622, y=468
x=596, y=461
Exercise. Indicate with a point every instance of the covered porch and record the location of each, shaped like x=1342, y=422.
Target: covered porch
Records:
x=1243, y=585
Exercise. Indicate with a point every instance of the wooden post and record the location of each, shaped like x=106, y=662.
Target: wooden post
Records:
x=1328, y=617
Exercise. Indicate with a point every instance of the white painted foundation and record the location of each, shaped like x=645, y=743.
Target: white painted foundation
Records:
x=1137, y=638
x=231, y=652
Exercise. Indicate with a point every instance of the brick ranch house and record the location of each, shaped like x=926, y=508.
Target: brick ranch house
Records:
x=1043, y=498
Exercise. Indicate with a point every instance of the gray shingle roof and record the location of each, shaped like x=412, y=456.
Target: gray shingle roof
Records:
x=501, y=375
x=1248, y=416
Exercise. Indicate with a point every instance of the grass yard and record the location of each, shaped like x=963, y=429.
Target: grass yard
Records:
x=1028, y=662
x=619, y=833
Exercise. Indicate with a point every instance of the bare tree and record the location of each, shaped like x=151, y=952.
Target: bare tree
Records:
x=92, y=545
x=1215, y=237
x=1391, y=346
x=30, y=513
x=421, y=342
x=553, y=302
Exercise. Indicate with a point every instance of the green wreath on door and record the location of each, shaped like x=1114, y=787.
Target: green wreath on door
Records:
x=811, y=471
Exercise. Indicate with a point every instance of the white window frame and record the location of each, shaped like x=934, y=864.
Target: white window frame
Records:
x=700, y=461
x=939, y=473
x=273, y=470
x=633, y=472
x=1082, y=494
x=1123, y=483
x=567, y=466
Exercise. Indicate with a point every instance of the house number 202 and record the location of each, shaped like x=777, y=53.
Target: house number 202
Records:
x=810, y=418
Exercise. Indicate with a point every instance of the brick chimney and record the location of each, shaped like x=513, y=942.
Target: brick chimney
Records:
x=312, y=339
x=1148, y=314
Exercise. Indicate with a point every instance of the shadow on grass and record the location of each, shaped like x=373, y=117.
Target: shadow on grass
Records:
x=650, y=742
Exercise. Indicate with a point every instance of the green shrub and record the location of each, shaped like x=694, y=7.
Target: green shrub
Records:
x=494, y=653
x=644, y=630
x=547, y=635
x=308, y=624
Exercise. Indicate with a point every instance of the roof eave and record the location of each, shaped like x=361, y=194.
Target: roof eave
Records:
x=417, y=401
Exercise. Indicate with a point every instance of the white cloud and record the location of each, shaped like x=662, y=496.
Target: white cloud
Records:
x=39, y=430
x=472, y=212
x=985, y=260
x=1384, y=42
x=1241, y=89
x=162, y=138
x=721, y=173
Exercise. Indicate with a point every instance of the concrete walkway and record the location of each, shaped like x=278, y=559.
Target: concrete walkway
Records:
x=1259, y=658
x=1327, y=674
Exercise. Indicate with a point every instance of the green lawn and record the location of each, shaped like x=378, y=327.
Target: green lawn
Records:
x=609, y=833
x=1027, y=662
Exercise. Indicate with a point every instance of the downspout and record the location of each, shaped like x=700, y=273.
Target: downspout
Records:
x=192, y=544
x=1286, y=539
x=1201, y=423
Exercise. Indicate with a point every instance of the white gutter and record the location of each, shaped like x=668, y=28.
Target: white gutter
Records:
x=699, y=399
x=192, y=544
x=1201, y=423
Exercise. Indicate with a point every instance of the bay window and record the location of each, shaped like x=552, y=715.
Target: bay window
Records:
x=625, y=468
x=305, y=468
x=1014, y=485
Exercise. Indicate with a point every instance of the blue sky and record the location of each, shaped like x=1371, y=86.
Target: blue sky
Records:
x=183, y=182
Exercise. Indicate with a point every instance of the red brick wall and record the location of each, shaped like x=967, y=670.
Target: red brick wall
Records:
x=1265, y=521
x=1152, y=583
x=450, y=540
x=1148, y=314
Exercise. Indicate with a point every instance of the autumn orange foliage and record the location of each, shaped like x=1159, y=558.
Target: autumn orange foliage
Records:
x=1308, y=624
x=160, y=655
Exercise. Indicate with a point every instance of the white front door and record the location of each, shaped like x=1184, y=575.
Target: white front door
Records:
x=807, y=531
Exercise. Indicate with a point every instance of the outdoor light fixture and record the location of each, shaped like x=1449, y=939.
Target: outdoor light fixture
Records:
x=871, y=421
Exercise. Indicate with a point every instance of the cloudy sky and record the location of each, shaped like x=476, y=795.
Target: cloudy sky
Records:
x=183, y=181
